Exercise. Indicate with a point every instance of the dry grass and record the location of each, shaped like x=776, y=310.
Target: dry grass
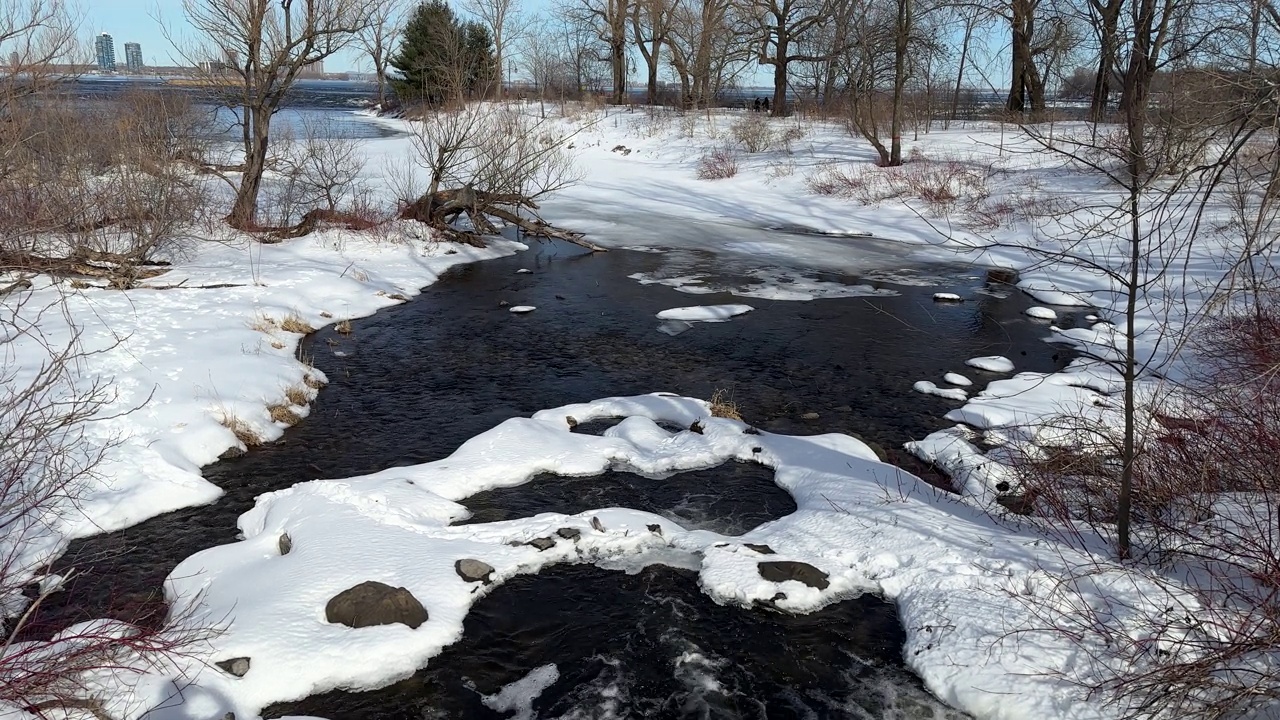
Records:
x=313, y=382
x=263, y=324
x=343, y=327
x=277, y=344
x=326, y=314
x=299, y=395
x=281, y=413
x=294, y=324
x=722, y=406
x=243, y=432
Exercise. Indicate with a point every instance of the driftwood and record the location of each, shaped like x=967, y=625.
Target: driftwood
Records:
x=442, y=208
x=119, y=270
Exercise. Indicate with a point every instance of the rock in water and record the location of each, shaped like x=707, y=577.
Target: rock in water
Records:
x=473, y=570
x=374, y=603
x=784, y=570
x=235, y=666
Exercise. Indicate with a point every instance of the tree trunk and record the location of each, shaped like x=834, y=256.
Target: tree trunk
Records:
x=653, y=60
x=780, y=108
x=257, y=134
x=618, y=62
x=1108, y=44
x=964, y=57
x=1020, y=52
x=901, y=38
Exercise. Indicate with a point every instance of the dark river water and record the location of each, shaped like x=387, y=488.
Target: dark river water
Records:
x=413, y=382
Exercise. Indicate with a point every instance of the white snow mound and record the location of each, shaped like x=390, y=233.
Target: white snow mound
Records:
x=705, y=313
x=1041, y=313
x=957, y=379
x=928, y=388
x=522, y=309
x=946, y=297
x=991, y=363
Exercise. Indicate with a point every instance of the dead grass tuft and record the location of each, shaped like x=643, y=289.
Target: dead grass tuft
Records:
x=283, y=414
x=722, y=406
x=263, y=324
x=343, y=327
x=243, y=432
x=298, y=395
x=313, y=382
x=294, y=324
x=277, y=344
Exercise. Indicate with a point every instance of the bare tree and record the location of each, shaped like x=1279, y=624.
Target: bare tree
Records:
x=777, y=27
x=379, y=37
x=506, y=24
x=704, y=49
x=650, y=23
x=34, y=36
x=264, y=45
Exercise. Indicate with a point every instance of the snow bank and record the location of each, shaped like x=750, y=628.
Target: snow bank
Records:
x=869, y=526
x=928, y=388
x=705, y=313
x=1041, y=313
x=991, y=363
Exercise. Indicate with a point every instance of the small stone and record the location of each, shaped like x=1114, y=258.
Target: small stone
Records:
x=231, y=452
x=696, y=427
x=655, y=528
x=544, y=543
x=844, y=408
x=235, y=666
x=810, y=416
x=778, y=596
x=571, y=420
x=762, y=549
x=450, y=251
x=751, y=431
x=473, y=570
x=878, y=449
x=569, y=533
x=559, y=297
x=784, y=570
x=374, y=603
x=229, y=716
x=596, y=524
x=757, y=449
x=285, y=543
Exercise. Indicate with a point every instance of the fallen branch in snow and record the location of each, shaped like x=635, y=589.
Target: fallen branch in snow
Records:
x=442, y=208
x=121, y=271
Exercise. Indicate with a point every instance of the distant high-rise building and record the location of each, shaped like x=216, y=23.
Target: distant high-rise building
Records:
x=315, y=68
x=106, y=48
x=14, y=59
x=133, y=57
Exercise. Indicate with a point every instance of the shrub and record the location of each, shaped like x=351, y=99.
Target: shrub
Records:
x=718, y=165
x=754, y=133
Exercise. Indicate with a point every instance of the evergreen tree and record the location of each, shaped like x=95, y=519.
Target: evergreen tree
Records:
x=442, y=59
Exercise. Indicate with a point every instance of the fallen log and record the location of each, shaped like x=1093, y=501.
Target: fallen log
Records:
x=440, y=209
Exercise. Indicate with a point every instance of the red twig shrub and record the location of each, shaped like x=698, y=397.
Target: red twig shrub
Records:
x=718, y=164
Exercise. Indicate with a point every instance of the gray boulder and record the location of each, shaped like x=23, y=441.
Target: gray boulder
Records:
x=285, y=543
x=473, y=570
x=235, y=666
x=569, y=533
x=784, y=570
x=543, y=543
x=374, y=603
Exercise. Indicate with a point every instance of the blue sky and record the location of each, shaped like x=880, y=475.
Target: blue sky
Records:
x=136, y=21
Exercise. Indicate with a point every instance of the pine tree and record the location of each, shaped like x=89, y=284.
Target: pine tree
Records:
x=442, y=59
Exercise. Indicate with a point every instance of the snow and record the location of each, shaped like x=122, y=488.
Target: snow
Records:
x=1041, y=313
x=704, y=313
x=928, y=388
x=957, y=379
x=518, y=697
x=522, y=309
x=947, y=565
x=524, y=271
x=991, y=363
x=946, y=297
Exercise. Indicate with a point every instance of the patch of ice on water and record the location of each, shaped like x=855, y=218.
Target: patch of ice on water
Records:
x=518, y=697
x=928, y=388
x=521, y=309
x=764, y=284
x=991, y=363
x=705, y=313
x=674, y=327
x=946, y=297
x=957, y=379
x=1041, y=313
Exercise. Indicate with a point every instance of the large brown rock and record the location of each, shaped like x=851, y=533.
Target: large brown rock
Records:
x=784, y=570
x=374, y=603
